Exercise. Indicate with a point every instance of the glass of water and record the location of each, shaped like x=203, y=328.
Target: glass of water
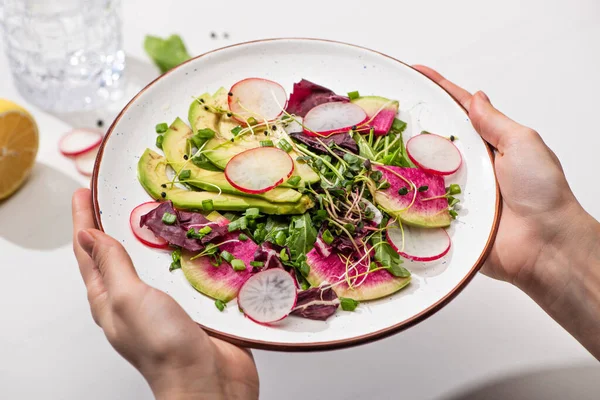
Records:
x=65, y=55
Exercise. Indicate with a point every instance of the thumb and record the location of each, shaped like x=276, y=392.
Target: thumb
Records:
x=111, y=259
x=493, y=126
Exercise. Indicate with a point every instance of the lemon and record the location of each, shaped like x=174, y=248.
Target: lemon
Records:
x=18, y=146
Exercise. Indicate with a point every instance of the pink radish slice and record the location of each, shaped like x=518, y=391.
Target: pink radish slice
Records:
x=335, y=117
x=259, y=170
x=79, y=141
x=257, y=98
x=420, y=244
x=434, y=154
x=142, y=233
x=268, y=296
x=85, y=162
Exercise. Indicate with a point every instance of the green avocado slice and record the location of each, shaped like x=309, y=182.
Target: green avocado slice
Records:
x=152, y=174
x=175, y=146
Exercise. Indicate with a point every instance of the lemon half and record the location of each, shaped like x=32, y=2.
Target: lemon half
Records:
x=19, y=142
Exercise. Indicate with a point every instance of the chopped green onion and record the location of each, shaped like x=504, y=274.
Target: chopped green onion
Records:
x=185, y=174
x=294, y=180
x=348, y=304
x=190, y=233
x=227, y=256
x=304, y=269
x=162, y=127
x=327, y=236
x=280, y=238
x=454, y=189
x=284, y=255
x=175, y=265
x=453, y=214
x=252, y=213
x=169, y=219
x=205, y=133
x=238, y=224
x=220, y=305
x=238, y=265
x=284, y=145
x=403, y=191
x=423, y=188
x=266, y=143
x=252, y=121
x=207, y=205
x=205, y=231
x=176, y=255
x=353, y=95
x=257, y=264
x=235, y=131
x=159, y=141
x=243, y=237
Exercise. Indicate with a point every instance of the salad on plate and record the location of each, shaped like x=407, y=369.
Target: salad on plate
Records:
x=296, y=205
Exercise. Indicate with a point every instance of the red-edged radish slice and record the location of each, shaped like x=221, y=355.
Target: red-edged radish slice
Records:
x=79, y=141
x=268, y=296
x=257, y=98
x=85, y=162
x=142, y=233
x=259, y=170
x=434, y=154
x=420, y=244
x=335, y=117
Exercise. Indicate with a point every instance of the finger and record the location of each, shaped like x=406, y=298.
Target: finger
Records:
x=83, y=219
x=496, y=128
x=460, y=94
x=110, y=257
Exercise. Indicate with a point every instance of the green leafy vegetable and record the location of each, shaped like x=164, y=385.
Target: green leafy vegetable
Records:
x=348, y=304
x=302, y=235
x=387, y=257
x=166, y=53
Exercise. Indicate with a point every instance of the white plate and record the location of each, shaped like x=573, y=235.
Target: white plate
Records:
x=342, y=68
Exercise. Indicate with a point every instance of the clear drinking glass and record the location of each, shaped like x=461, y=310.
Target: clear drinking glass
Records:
x=65, y=55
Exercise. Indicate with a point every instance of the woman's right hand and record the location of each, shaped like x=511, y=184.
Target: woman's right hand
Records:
x=547, y=244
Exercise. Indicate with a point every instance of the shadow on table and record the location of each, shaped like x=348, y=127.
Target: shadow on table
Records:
x=138, y=74
x=581, y=383
x=38, y=216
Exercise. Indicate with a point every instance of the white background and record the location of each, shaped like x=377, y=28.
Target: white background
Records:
x=538, y=61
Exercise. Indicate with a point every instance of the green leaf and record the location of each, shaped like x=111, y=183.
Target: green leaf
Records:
x=348, y=304
x=302, y=235
x=166, y=53
x=364, y=150
x=388, y=257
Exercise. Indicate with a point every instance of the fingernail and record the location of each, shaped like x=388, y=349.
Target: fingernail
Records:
x=484, y=96
x=86, y=241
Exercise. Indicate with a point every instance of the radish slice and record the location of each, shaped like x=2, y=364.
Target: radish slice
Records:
x=268, y=296
x=79, y=141
x=85, y=162
x=420, y=244
x=257, y=98
x=142, y=233
x=335, y=117
x=259, y=170
x=434, y=154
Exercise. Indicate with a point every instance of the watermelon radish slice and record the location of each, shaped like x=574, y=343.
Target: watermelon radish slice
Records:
x=85, y=162
x=142, y=233
x=259, y=170
x=330, y=118
x=419, y=244
x=220, y=282
x=257, y=98
x=434, y=154
x=332, y=269
x=423, y=212
x=79, y=141
x=268, y=296
x=381, y=112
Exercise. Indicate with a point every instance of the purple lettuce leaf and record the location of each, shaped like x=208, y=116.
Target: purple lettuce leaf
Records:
x=268, y=253
x=316, y=303
x=307, y=95
x=343, y=140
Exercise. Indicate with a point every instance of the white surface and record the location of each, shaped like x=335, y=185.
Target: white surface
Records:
x=538, y=62
x=341, y=68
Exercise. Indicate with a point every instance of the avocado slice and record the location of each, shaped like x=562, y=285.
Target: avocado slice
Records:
x=201, y=118
x=175, y=147
x=222, y=147
x=152, y=174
